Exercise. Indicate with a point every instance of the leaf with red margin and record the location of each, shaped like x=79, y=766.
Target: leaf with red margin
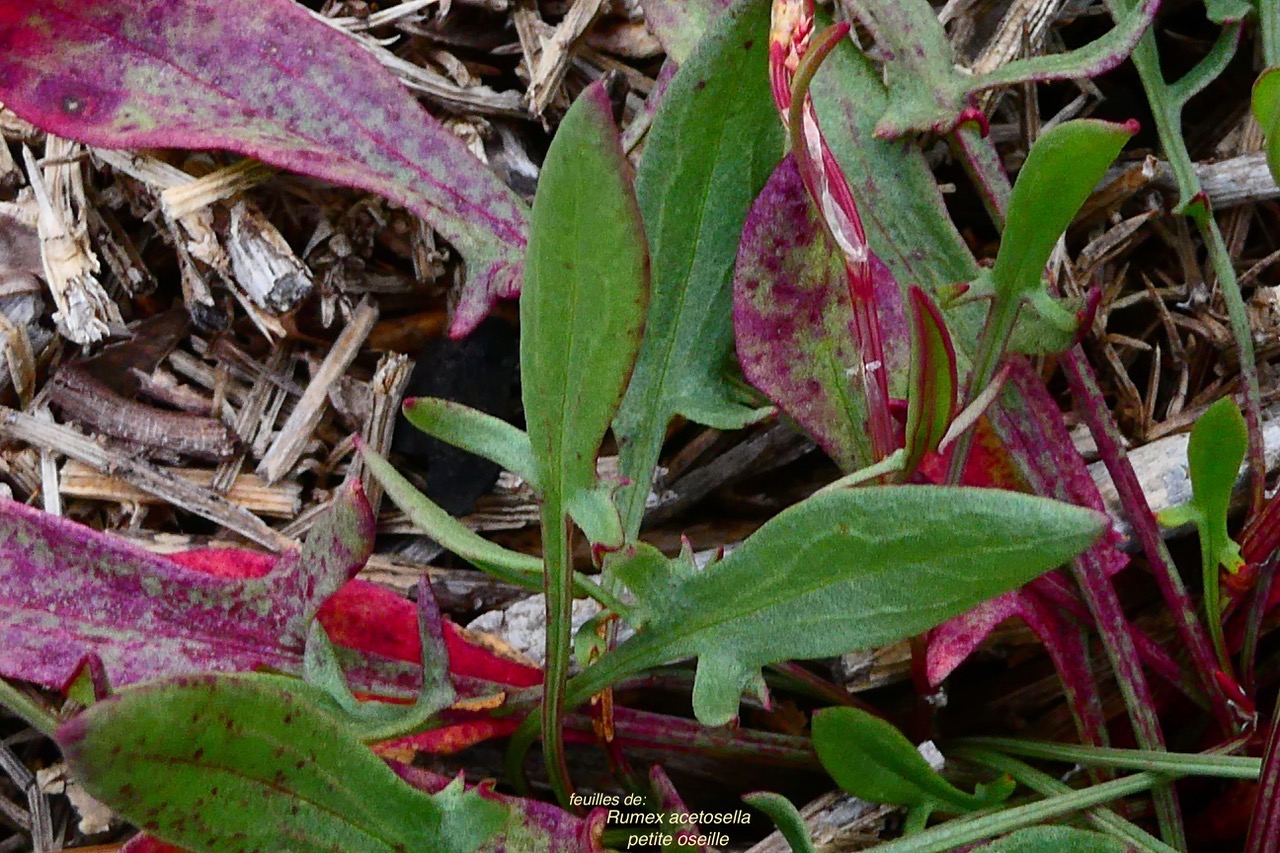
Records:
x=267, y=79
x=68, y=593
x=531, y=825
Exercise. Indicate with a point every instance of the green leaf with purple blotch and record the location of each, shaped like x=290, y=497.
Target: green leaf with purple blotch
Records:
x=267, y=79
x=239, y=763
x=793, y=322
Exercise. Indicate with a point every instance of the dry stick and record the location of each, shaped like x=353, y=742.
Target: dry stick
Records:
x=248, y=491
x=19, y=426
x=250, y=415
x=296, y=432
x=390, y=378
x=558, y=51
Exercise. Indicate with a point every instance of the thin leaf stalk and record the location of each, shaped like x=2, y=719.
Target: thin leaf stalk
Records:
x=1042, y=783
x=794, y=58
x=30, y=711
x=1113, y=629
x=1258, y=603
x=1264, y=823
x=558, y=558
x=1215, y=764
x=982, y=163
x=1167, y=102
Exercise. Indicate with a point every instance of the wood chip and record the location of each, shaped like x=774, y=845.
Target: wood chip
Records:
x=557, y=52
x=86, y=314
x=249, y=491
x=296, y=432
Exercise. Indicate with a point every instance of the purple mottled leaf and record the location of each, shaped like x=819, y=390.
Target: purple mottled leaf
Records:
x=678, y=24
x=263, y=78
x=530, y=825
x=793, y=321
x=68, y=592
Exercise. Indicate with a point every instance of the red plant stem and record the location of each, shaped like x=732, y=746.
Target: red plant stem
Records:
x=1093, y=408
x=1258, y=543
x=1258, y=605
x=1264, y=824
x=829, y=189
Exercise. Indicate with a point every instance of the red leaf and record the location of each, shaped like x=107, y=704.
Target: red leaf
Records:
x=143, y=843
x=378, y=622
x=263, y=78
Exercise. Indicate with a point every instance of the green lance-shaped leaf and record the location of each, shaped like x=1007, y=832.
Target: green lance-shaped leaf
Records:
x=713, y=144
x=246, y=763
x=1266, y=109
x=582, y=315
x=843, y=570
x=585, y=297
x=1062, y=169
x=1215, y=452
x=1214, y=456
x=786, y=816
x=475, y=432
x=871, y=759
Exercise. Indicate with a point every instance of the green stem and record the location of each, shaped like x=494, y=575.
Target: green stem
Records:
x=992, y=344
x=1042, y=783
x=958, y=833
x=1213, y=604
x=1169, y=763
x=891, y=464
x=1167, y=101
x=30, y=711
x=558, y=559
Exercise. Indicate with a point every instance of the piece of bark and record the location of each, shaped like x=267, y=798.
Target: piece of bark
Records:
x=81, y=397
x=86, y=314
x=23, y=427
